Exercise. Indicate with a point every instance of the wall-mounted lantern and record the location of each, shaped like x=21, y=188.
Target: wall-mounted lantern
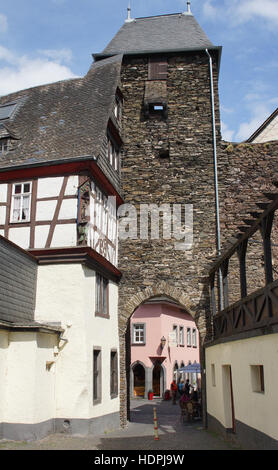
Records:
x=162, y=342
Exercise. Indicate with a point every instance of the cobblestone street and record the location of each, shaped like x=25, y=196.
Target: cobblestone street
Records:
x=139, y=435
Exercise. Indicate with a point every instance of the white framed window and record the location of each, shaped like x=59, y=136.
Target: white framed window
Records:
x=139, y=333
x=113, y=154
x=176, y=331
x=4, y=145
x=21, y=202
x=188, y=336
x=181, y=339
x=194, y=338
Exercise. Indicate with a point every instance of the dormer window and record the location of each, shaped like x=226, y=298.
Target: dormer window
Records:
x=118, y=109
x=113, y=154
x=21, y=202
x=4, y=145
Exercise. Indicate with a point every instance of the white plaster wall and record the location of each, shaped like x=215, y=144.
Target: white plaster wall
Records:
x=64, y=235
x=45, y=210
x=29, y=388
x=257, y=410
x=72, y=186
x=68, y=209
x=66, y=293
x=3, y=192
x=3, y=369
x=20, y=236
x=41, y=234
x=269, y=133
x=49, y=187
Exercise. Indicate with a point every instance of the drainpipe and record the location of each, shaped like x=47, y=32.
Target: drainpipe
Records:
x=216, y=180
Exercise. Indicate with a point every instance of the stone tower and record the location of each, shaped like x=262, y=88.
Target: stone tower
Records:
x=167, y=159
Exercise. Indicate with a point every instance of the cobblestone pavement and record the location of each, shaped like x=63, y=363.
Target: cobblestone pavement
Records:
x=139, y=435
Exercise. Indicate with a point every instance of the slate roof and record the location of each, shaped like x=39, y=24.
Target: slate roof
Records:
x=159, y=33
x=62, y=120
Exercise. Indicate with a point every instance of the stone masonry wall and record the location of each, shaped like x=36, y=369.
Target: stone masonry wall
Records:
x=154, y=267
x=246, y=172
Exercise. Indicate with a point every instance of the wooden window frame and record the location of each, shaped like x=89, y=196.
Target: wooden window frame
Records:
x=158, y=68
x=99, y=307
x=114, y=373
x=97, y=375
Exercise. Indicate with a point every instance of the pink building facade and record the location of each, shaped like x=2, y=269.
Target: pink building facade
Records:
x=164, y=338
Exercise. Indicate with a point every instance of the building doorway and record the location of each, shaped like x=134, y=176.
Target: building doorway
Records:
x=139, y=381
x=158, y=380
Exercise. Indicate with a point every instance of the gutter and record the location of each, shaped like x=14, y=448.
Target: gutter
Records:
x=216, y=179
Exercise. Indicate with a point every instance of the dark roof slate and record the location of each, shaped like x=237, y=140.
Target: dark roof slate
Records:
x=62, y=120
x=159, y=33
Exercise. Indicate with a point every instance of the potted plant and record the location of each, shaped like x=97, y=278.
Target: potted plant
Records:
x=150, y=394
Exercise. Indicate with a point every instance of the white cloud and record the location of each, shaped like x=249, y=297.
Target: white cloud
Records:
x=227, y=134
x=241, y=11
x=259, y=113
x=21, y=72
x=3, y=23
x=58, y=55
x=249, y=9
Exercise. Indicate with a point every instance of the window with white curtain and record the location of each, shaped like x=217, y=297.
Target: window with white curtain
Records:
x=21, y=202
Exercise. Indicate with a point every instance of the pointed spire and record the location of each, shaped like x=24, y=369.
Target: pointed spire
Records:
x=129, y=19
x=188, y=12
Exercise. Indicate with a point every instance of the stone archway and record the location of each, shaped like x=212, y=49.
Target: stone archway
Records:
x=126, y=309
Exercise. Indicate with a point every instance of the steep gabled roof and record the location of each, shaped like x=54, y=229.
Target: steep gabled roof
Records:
x=62, y=120
x=159, y=33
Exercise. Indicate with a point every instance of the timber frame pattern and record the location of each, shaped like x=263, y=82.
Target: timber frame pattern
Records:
x=259, y=309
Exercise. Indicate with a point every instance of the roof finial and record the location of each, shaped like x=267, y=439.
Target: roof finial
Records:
x=188, y=12
x=129, y=19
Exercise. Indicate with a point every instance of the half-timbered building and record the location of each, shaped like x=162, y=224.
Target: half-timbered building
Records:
x=59, y=193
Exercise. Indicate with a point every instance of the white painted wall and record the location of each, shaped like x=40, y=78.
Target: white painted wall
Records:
x=66, y=293
x=20, y=236
x=29, y=388
x=257, y=410
x=4, y=343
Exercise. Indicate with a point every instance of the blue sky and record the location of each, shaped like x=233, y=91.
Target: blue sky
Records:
x=42, y=41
